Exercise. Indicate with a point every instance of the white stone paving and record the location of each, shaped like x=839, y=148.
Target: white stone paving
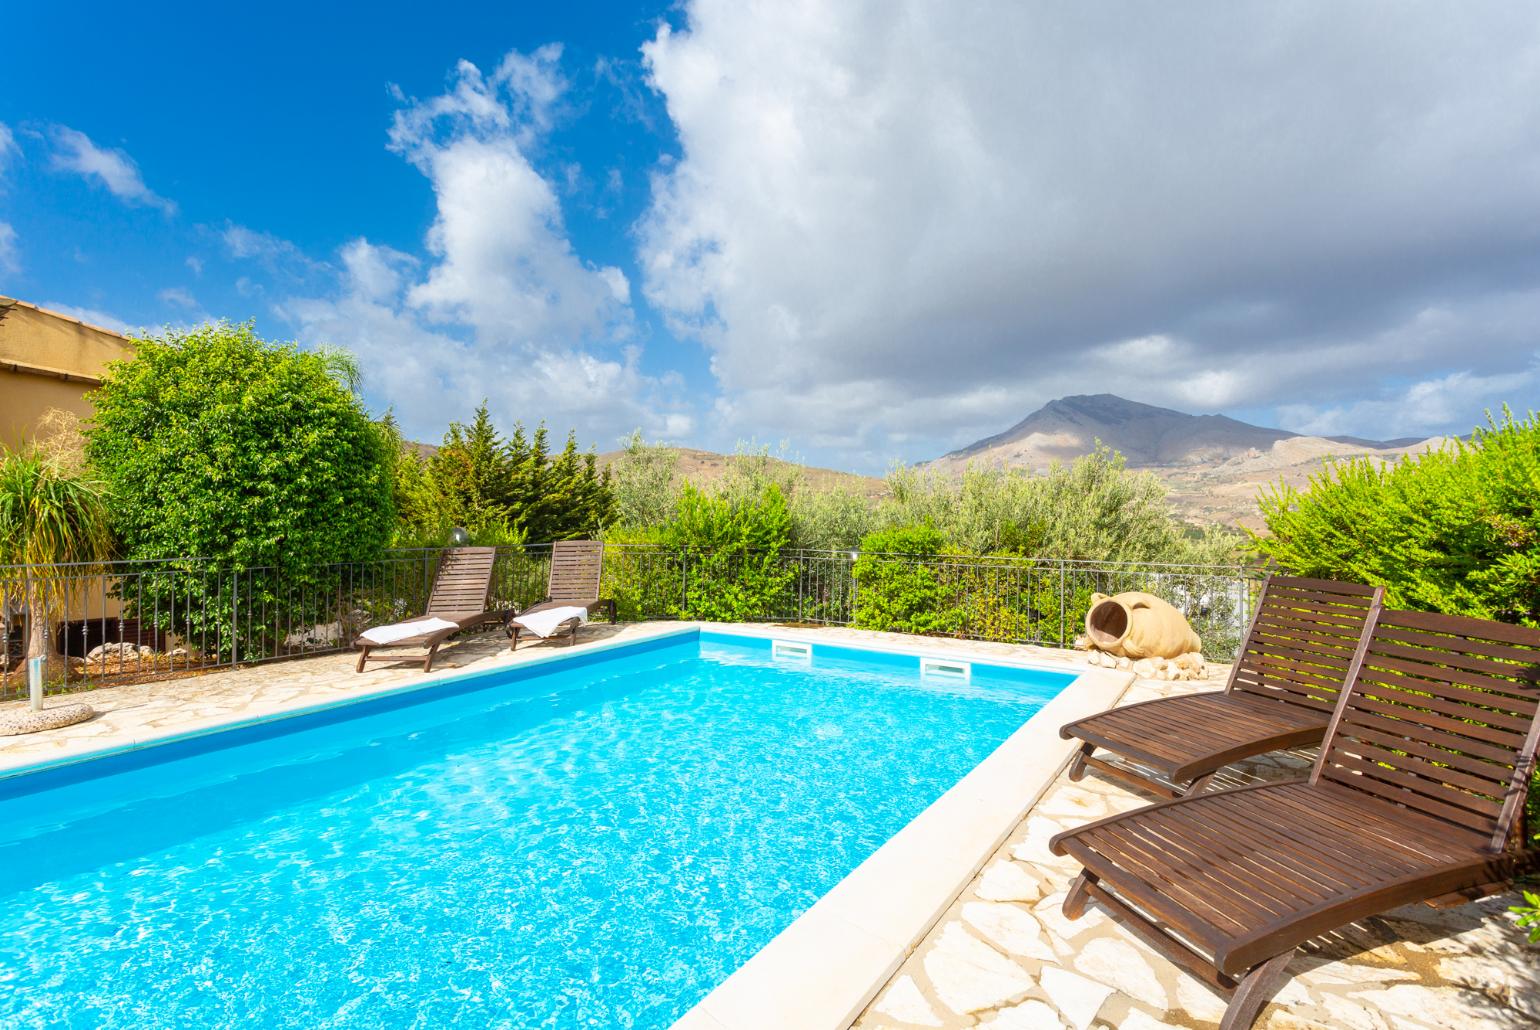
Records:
x=1467, y=968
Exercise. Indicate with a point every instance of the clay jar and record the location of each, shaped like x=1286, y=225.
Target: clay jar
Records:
x=1137, y=625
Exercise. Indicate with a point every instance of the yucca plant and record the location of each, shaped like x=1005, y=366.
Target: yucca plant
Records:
x=51, y=514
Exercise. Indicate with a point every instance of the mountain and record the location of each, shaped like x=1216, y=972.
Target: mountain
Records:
x=1214, y=466
x=1147, y=436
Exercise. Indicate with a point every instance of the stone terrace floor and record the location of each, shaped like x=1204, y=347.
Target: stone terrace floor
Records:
x=1002, y=956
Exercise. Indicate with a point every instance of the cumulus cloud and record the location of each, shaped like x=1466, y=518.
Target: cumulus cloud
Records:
x=503, y=307
x=114, y=169
x=919, y=220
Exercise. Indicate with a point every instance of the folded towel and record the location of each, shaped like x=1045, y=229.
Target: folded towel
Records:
x=402, y=630
x=546, y=621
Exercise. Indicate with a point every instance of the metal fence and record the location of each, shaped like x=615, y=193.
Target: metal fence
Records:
x=122, y=621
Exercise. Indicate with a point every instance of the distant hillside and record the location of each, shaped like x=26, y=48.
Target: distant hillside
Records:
x=1214, y=465
x=1147, y=436
x=704, y=468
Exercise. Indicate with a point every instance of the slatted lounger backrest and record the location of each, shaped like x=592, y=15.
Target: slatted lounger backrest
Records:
x=1441, y=718
x=576, y=568
x=1303, y=640
x=464, y=581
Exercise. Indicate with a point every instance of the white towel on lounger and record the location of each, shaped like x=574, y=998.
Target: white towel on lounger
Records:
x=402, y=630
x=545, y=622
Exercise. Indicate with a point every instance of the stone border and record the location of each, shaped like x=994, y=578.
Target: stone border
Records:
x=822, y=970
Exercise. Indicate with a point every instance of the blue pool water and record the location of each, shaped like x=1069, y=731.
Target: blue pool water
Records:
x=595, y=842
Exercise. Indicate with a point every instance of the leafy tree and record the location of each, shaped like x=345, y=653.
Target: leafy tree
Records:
x=51, y=514
x=642, y=481
x=217, y=444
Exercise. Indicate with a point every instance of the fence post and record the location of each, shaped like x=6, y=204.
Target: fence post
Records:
x=235, y=617
x=1063, y=604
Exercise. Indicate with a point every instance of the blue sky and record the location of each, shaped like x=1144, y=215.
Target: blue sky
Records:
x=872, y=231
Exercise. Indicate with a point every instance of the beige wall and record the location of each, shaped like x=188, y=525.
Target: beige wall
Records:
x=51, y=361
x=48, y=361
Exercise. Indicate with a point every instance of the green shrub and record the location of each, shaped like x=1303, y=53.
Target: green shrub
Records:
x=216, y=444
x=735, y=571
x=899, y=586
x=1455, y=530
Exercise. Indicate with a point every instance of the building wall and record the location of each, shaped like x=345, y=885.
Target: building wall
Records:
x=48, y=360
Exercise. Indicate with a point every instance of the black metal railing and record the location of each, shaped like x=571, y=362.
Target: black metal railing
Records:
x=117, y=621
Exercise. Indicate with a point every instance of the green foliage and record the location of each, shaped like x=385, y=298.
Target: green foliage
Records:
x=1093, y=509
x=1455, y=530
x=733, y=544
x=503, y=491
x=1529, y=916
x=898, y=586
x=642, y=479
x=217, y=444
x=50, y=514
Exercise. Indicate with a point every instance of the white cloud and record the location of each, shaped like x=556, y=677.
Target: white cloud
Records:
x=114, y=169
x=503, y=263
x=922, y=219
x=1424, y=408
x=176, y=296
x=505, y=308
x=195, y=265
x=8, y=147
x=10, y=256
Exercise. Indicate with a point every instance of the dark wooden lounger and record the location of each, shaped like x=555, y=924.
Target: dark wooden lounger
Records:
x=1418, y=795
x=1280, y=694
x=460, y=593
x=577, y=567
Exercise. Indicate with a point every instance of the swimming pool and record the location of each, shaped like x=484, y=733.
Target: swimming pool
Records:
x=591, y=842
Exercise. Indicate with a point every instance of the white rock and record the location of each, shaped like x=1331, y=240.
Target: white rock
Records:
x=1198, y=1001
x=1033, y=847
x=1029, y=1015
x=1008, y=928
x=1136, y=1020
x=1144, y=668
x=969, y=975
x=904, y=1002
x=1119, y=964
x=1347, y=1013
x=1050, y=913
x=1007, y=881
x=1077, y=998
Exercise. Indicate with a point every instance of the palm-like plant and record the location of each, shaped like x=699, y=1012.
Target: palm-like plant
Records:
x=51, y=514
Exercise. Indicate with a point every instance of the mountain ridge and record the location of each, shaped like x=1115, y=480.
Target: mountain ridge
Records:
x=1146, y=435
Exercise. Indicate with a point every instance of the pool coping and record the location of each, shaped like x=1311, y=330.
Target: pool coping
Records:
x=822, y=971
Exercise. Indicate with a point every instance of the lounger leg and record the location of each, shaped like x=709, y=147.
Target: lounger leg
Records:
x=513, y=639
x=1077, y=770
x=1079, y=893
x=427, y=661
x=1255, y=991
x=363, y=656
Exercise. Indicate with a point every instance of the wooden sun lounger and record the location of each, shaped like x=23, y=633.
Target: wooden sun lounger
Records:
x=1418, y=795
x=1280, y=694
x=460, y=593
x=577, y=566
